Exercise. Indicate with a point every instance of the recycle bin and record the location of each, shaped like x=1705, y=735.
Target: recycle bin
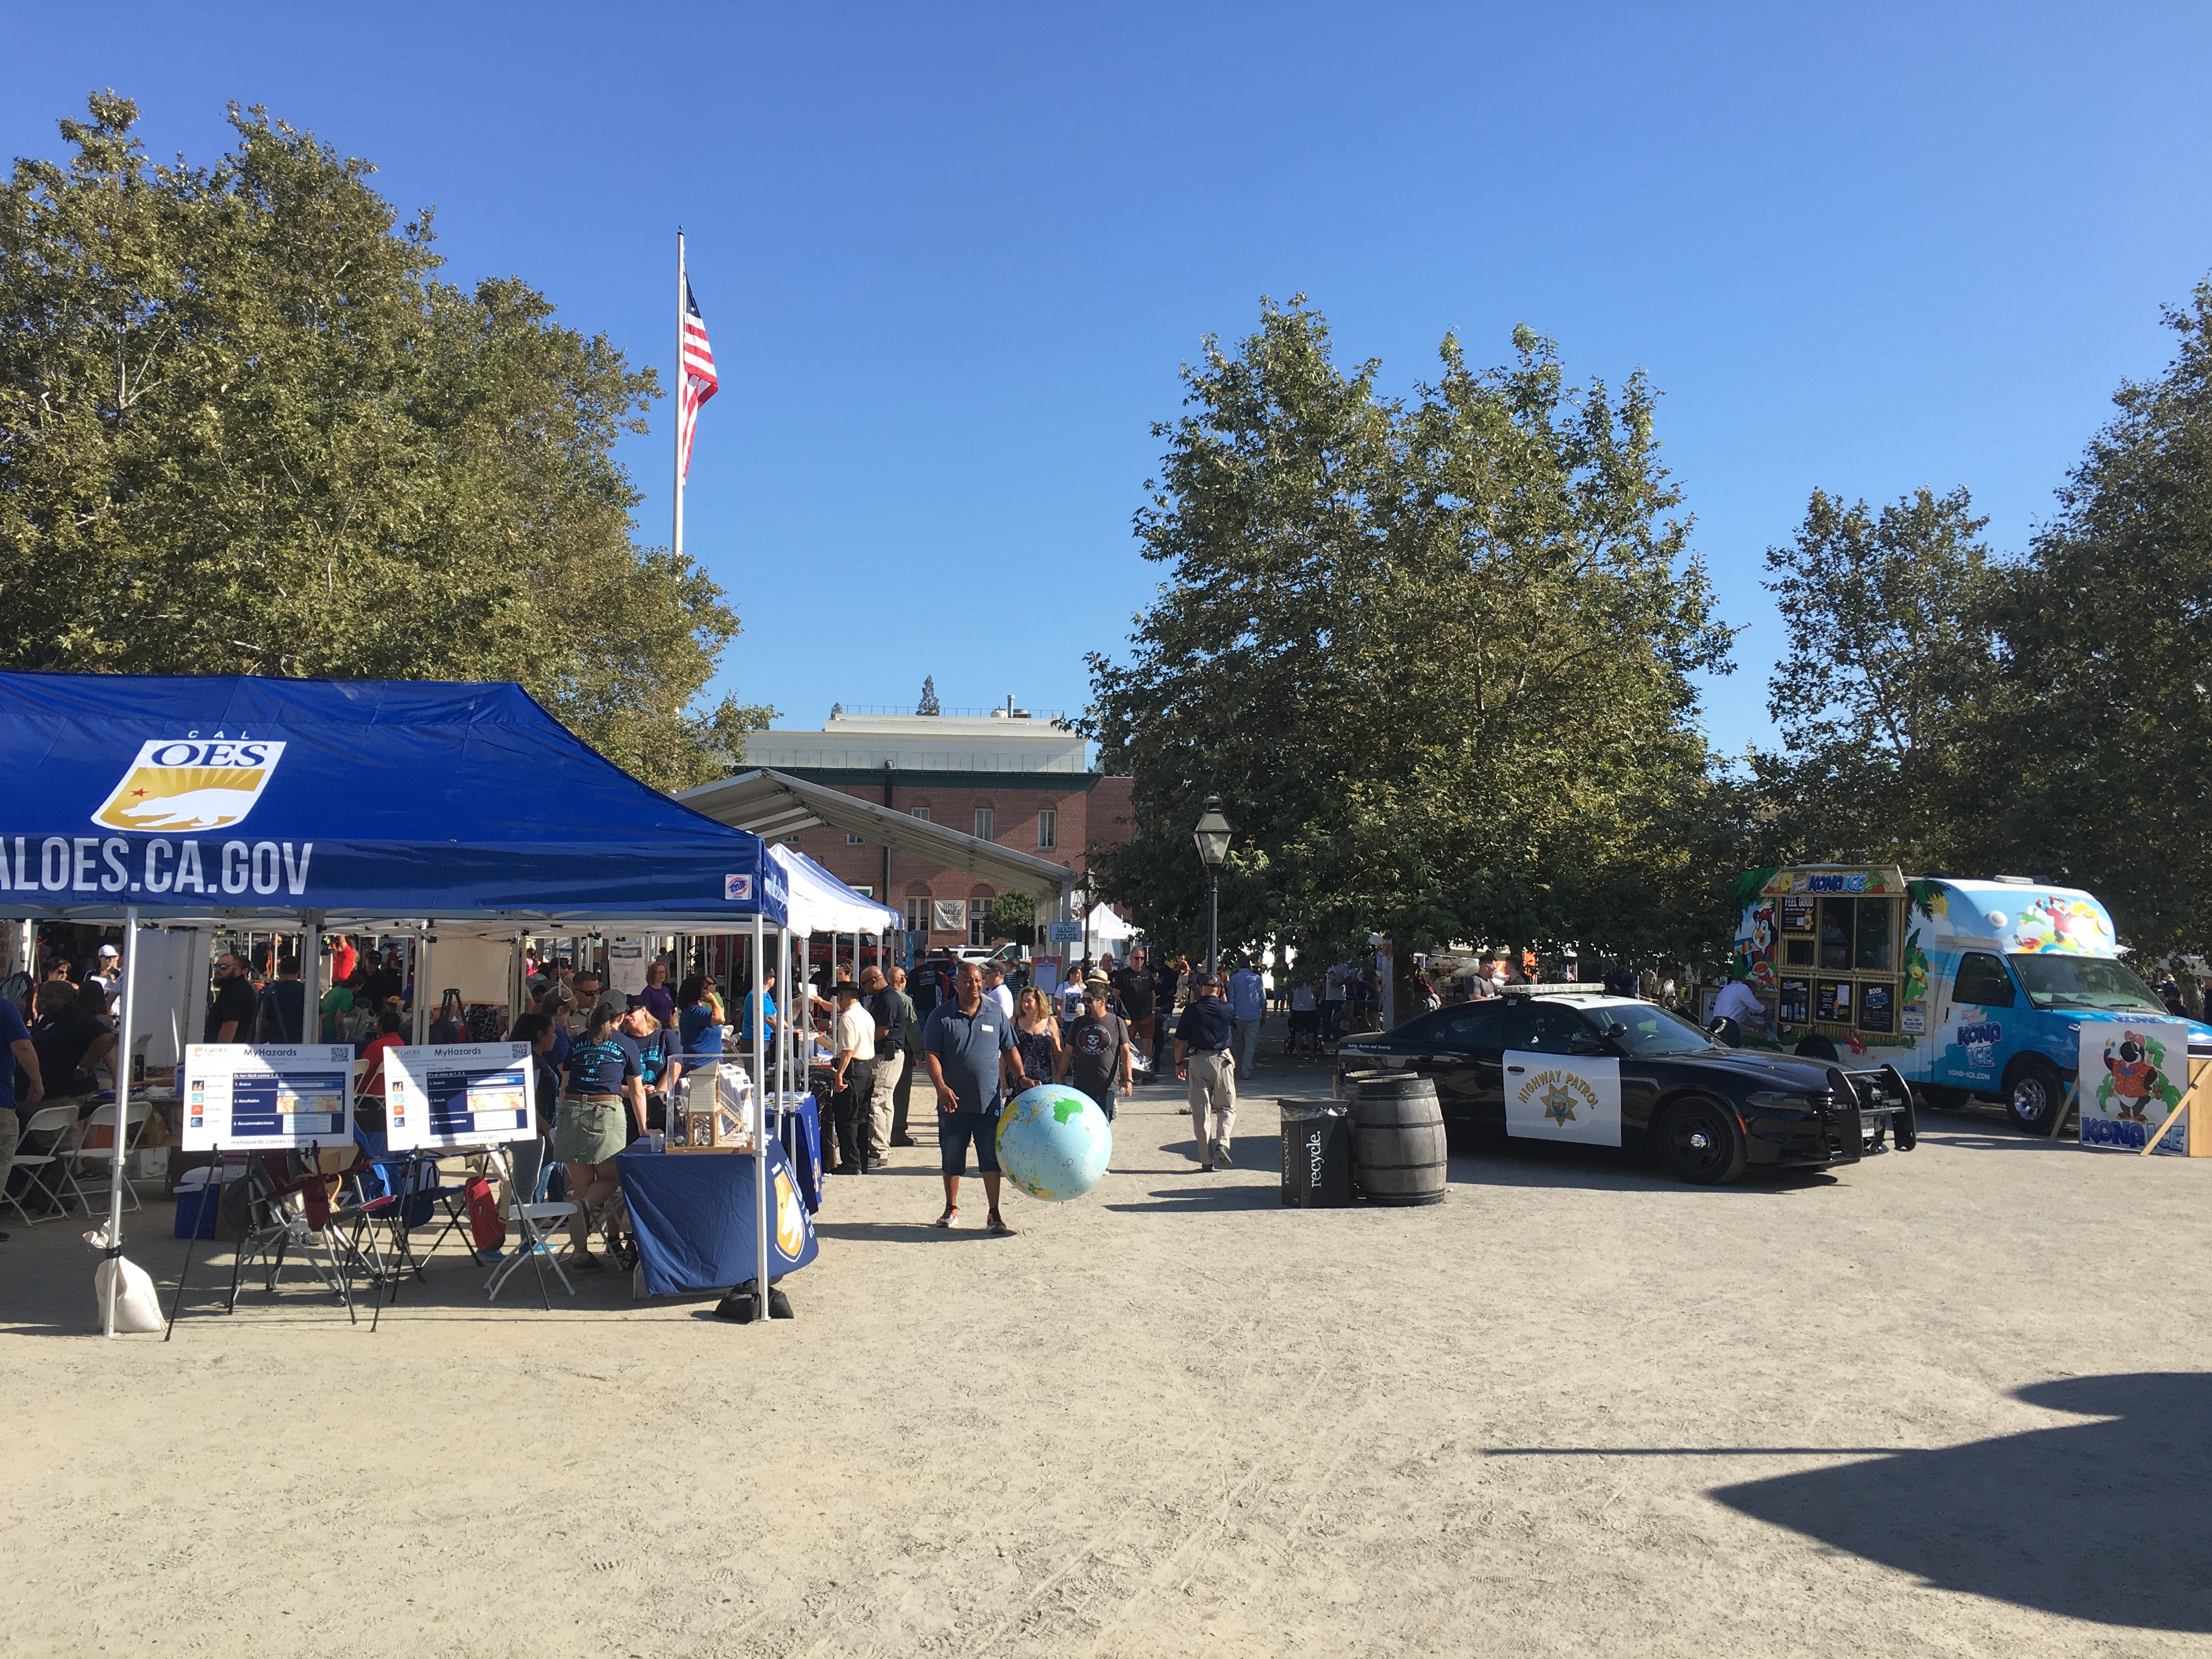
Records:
x=1317, y=1155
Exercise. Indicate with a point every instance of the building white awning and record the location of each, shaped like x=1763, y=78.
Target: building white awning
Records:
x=774, y=805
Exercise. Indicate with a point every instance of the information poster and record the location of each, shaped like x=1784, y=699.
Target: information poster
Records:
x=457, y=1093
x=243, y=1098
x=2133, y=1073
x=626, y=958
x=1563, y=1097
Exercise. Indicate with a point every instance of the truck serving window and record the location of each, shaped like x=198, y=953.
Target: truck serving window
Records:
x=2062, y=981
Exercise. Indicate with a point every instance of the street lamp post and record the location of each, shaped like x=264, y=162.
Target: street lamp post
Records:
x=1212, y=835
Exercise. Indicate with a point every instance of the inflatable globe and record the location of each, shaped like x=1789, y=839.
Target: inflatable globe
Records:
x=1054, y=1142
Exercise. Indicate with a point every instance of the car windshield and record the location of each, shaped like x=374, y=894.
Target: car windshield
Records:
x=1650, y=1029
x=2063, y=981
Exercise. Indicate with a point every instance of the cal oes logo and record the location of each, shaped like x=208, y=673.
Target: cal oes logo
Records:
x=190, y=783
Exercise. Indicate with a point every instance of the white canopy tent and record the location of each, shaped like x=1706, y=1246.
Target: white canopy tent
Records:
x=1103, y=927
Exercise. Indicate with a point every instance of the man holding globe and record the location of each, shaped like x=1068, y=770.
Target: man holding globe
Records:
x=968, y=1044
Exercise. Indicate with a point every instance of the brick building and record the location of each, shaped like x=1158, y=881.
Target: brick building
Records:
x=1020, y=779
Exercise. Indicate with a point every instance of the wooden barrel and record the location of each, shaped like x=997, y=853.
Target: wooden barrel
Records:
x=1397, y=1138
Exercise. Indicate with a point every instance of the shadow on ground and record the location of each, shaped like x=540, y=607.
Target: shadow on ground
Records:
x=2102, y=1521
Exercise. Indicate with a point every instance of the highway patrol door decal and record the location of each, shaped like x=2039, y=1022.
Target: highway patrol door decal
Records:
x=1563, y=1097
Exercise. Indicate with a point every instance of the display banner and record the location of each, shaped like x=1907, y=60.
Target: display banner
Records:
x=457, y=1093
x=626, y=960
x=245, y=1098
x=2133, y=1072
x=1563, y=1097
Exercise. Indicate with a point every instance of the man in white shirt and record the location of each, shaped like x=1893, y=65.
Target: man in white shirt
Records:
x=1305, y=1017
x=1331, y=1001
x=853, y=1069
x=994, y=988
x=1739, y=1004
x=1248, y=1007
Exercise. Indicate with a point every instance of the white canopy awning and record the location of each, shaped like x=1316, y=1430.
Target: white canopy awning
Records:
x=819, y=902
x=774, y=805
x=1108, y=928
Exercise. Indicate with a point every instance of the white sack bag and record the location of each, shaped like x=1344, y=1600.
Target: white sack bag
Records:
x=137, y=1307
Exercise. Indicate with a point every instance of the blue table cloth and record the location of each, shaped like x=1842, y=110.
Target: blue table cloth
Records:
x=692, y=1215
x=799, y=1129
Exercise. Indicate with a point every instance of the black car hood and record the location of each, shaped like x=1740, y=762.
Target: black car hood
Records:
x=1784, y=1072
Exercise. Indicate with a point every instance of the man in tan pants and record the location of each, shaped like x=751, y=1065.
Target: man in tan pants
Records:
x=1203, y=1032
x=888, y=1010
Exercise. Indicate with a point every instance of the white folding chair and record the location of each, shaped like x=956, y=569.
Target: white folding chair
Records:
x=57, y=1127
x=539, y=1222
x=103, y=1158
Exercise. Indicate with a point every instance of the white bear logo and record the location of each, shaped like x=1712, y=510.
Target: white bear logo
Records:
x=196, y=809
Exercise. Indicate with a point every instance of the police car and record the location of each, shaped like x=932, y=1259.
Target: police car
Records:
x=1573, y=1063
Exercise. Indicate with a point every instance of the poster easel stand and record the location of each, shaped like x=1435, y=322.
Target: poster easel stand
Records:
x=2200, y=1145
x=2066, y=1105
x=177, y=1302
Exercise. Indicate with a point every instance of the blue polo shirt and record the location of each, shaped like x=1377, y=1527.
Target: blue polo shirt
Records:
x=12, y=1031
x=1205, y=1026
x=968, y=1047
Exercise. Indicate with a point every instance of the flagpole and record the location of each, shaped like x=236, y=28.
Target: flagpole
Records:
x=677, y=546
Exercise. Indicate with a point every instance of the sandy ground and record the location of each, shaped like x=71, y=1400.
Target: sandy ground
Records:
x=1953, y=1402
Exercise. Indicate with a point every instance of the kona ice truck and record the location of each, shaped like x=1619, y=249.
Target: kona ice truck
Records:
x=1970, y=989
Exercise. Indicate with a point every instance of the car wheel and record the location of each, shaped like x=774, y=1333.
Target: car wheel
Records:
x=2034, y=1096
x=1700, y=1142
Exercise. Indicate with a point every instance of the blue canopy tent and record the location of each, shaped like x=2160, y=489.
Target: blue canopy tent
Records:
x=324, y=804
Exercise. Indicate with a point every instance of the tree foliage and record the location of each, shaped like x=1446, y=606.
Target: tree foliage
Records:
x=1888, y=624
x=2103, y=719
x=1433, y=653
x=245, y=428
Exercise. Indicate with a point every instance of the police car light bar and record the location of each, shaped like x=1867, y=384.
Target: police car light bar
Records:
x=1569, y=989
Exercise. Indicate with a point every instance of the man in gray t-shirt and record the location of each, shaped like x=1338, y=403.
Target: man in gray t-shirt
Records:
x=968, y=1045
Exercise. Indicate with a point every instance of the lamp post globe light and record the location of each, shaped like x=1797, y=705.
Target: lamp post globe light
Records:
x=1212, y=835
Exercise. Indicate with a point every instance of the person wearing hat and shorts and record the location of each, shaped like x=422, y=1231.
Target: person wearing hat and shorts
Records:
x=1204, y=1060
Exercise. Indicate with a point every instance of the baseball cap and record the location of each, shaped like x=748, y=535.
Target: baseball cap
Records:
x=109, y=951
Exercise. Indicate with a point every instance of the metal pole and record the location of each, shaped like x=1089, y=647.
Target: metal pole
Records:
x=1212, y=921
x=760, y=1118
x=676, y=541
x=121, y=1119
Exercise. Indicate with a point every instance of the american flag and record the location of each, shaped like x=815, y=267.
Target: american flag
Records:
x=695, y=380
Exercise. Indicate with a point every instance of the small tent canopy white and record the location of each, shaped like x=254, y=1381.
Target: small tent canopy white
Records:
x=1105, y=928
x=818, y=902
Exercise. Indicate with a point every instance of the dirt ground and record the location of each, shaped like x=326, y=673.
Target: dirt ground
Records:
x=1953, y=1402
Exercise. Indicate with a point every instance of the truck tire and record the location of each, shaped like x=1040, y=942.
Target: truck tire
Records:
x=2034, y=1095
x=1700, y=1142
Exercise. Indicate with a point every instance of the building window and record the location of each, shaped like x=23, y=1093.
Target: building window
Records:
x=922, y=812
x=851, y=839
x=979, y=917
x=866, y=892
x=1048, y=827
x=917, y=914
x=983, y=829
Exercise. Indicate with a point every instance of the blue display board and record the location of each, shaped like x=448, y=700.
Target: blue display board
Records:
x=247, y=1097
x=458, y=1094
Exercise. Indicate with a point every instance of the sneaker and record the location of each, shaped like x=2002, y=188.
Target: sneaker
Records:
x=949, y=1218
x=904, y=1140
x=584, y=1262
x=998, y=1228
x=1221, y=1156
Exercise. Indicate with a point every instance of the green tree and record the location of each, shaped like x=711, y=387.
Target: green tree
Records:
x=1433, y=656
x=244, y=430
x=1011, y=912
x=928, y=705
x=2102, y=719
x=1888, y=617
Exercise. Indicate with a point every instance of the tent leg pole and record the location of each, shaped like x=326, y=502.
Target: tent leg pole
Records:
x=122, y=1122
x=760, y=1118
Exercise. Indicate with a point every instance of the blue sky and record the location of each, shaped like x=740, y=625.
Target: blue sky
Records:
x=951, y=258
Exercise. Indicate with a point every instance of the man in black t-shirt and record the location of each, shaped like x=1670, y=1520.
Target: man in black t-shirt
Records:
x=1134, y=984
x=69, y=1036
x=231, y=1010
x=1095, y=1055
x=1167, y=979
